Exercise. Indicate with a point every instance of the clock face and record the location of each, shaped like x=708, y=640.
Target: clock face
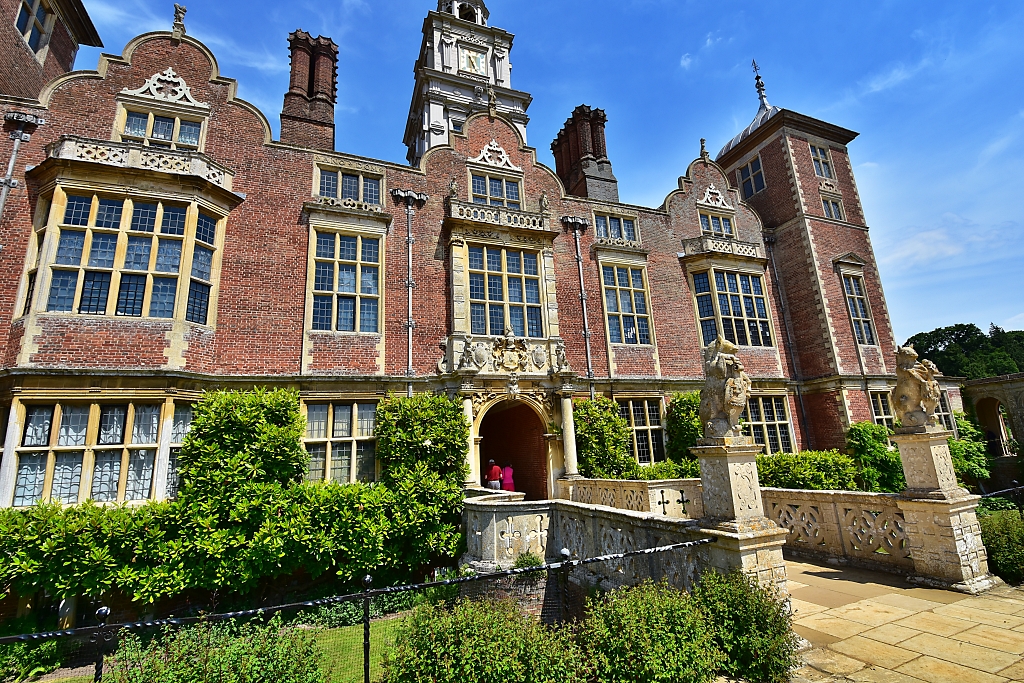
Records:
x=472, y=61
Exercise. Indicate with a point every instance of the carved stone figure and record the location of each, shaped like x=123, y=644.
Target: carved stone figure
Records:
x=442, y=365
x=179, y=13
x=539, y=356
x=453, y=188
x=561, y=362
x=917, y=391
x=544, y=203
x=726, y=390
x=510, y=353
x=513, y=384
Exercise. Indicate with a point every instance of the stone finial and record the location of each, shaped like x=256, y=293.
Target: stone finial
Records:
x=703, y=150
x=725, y=393
x=759, y=86
x=178, y=28
x=917, y=392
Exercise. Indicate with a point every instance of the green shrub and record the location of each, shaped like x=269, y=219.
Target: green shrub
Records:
x=528, y=559
x=878, y=463
x=602, y=440
x=650, y=632
x=427, y=428
x=19, y=661
x=817, y=470
x=226, y=653
x=750, y=624
x=969, y=451
x=669, y=469
x=483, y=642
x=1003, y=536
x=682, y=425
x=995, y=504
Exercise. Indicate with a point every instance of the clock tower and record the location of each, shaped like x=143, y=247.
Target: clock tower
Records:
x=463, y=68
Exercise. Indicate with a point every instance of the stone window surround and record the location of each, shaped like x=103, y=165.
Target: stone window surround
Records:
x=646, y=400
x=352, y=404
x=608, y=214
x=505, y=303
x=735, y=264
x=16, y=429
x=154, y=107
x=844, y=269
x=489, y=172
x=41, y=259
x=786, y=422
x=351, y=227
x=881, y=408
x=463, y=238
x=722, y=215
x=821, y=155
x=747, y=165
x=833, y=204
x=618, y=259
x=40, y=53
x=343, y=169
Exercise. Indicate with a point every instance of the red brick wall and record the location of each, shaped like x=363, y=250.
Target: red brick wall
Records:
x=826, y=424
x=87, y=342
x=21, y=73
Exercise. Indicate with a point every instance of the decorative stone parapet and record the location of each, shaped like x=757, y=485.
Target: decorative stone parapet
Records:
x=707, y=244
x=680, y=498
x=498, y=215
x=941, y=519
x=130, y=155
x=844, y=527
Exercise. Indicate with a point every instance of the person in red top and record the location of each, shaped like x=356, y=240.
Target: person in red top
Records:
x=493, y=476
x=506, y=478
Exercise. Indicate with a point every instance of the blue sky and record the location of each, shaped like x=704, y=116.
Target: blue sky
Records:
x=935, y=90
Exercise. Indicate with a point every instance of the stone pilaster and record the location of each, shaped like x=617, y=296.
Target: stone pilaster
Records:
x=941, y=520
x=734, y=514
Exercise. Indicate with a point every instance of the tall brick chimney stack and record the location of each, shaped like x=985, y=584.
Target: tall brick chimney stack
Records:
x=307, y=118
x=581, y=156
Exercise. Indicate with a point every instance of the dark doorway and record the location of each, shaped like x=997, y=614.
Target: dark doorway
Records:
x=513, y=434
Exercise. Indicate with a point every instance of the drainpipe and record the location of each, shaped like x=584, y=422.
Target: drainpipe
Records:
x=19, y=136
x=578, y=225
x=411, y=198
x=769, y=242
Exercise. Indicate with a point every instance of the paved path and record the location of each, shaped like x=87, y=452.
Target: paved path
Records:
x=873, y=627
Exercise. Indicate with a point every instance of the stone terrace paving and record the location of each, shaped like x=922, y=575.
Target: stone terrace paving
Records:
x=872, y=627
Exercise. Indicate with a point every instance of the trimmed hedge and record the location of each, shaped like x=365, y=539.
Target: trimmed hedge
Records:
x=1003, y=535
x=815, y=470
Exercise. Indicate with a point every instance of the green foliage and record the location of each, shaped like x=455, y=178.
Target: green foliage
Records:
x=427, y=428
x=250, y=521
x=228, y=653
x=650, y=633
x=528, y=559
x=484, y=642
x=19, y=661
x=668, y=469
x=750, y=624
x=682, y=425
x=602, y=440
x=969, y=451
x=995, y=504
x=816, y=470
x=1003, y=536
x=966, y=351
x=240, y=439
x=878, y=464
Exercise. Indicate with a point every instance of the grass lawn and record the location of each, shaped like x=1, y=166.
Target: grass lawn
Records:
x=343, y=648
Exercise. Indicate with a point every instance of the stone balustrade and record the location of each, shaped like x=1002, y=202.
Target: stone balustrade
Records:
x=708, y=244
x=498, y=215
x=860, y=528
x=131, y=155
x=679, y=498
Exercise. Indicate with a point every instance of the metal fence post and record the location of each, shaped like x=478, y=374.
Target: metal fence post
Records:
x=367, y=582
x=563, y=583
x=100, y=638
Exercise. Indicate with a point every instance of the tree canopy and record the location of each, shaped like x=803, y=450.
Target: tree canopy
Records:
x=965, y=351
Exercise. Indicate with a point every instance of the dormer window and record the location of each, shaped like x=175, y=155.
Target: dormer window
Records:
x=716, y=226
x=496, y=191
x=354, y=186
x=614, y=227
x=154, y=130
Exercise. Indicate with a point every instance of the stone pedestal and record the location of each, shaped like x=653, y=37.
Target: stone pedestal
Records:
x=734, y=514
x=942, y=528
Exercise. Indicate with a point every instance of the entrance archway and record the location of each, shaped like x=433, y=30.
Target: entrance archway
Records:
x=990, y=417
x=513, y=434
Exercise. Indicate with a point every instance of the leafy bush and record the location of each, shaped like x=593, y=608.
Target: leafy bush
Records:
x=236, y=527
x=995, y=504
x=528, y=559
x=1003, y=535
x=669, y=469
x=227, y=653
x=817, y=470
x=602, y=440
x=649, y=633
x=878, y=464
x=427, y=428
x=750, y=624
x=969, y=452
x=483, y=642
x=19, y=661
x=682, y=425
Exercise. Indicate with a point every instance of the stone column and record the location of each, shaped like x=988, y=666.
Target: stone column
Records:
x=9, y=464
x=941, y=520
x=734, y=513
x=473, y=476
x=569, y=438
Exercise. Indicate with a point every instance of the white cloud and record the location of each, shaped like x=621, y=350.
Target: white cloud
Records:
x=1014, y=323
x=893, y=76
x=925, y=246
x=685, y=61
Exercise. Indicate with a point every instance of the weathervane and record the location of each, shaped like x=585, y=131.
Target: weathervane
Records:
x=759, y=84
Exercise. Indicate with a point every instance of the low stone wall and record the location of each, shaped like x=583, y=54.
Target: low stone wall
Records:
x=498, y=531
x=860, y=528
x=679, y=498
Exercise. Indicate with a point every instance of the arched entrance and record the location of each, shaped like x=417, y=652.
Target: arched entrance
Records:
x=991, y=418
x=513, y=434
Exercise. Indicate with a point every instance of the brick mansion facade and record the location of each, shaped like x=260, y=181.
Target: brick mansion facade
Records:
x=158, y=242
